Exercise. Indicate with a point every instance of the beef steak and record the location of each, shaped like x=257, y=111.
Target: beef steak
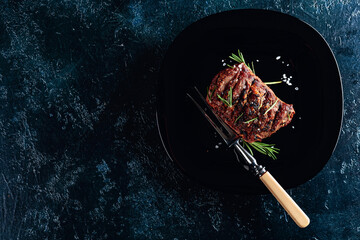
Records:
x=246, y=104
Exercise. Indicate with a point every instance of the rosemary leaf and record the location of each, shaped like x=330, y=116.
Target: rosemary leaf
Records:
x=261, y=102
x=249, y=121
x=230, y=97
x=238, y=117
x=248, y=147
x=210, y=93
x=223, y=100
x=235, y=58
x=271, y=107
x=272, y=83
x=241, y=56
x=257, y=148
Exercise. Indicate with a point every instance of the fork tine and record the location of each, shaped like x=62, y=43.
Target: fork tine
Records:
x=224, y=137
x=224, y=125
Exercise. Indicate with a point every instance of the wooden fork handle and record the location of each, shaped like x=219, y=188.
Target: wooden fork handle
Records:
x=290, y=206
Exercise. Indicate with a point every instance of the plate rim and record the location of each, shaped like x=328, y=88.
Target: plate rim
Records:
x=160, y=123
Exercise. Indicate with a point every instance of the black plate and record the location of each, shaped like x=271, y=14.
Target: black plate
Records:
x=280, y=46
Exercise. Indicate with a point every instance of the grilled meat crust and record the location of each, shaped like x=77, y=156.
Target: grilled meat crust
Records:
x=254, y=112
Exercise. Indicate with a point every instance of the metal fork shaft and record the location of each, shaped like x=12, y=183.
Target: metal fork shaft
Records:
x=250, y=161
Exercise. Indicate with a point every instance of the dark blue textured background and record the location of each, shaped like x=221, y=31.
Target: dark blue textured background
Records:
x=80, y=156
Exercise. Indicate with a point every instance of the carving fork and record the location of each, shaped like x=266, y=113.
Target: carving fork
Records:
x=249, y=162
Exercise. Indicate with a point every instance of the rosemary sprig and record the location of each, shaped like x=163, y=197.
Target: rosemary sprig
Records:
x=249, y=121
x=237, y=58
x=264, y=148
x=272, y=83
x=271, y=107
x=240, y=59
x=228, y=101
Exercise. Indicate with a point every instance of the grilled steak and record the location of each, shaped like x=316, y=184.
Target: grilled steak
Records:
x=246, y=104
